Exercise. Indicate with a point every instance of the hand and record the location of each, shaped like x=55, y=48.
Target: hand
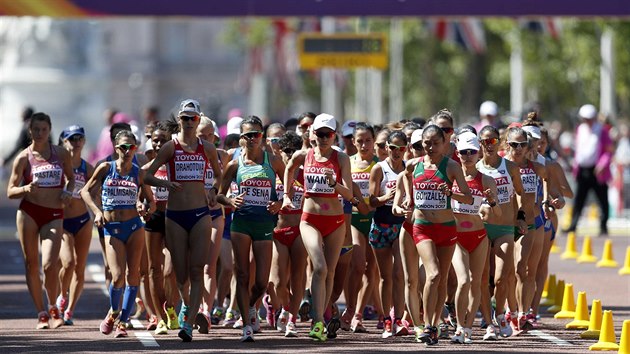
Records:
x=238, y=201
x=390, y=195
x=329, y=176
x=445, y=189
x=212, y=197
x=522, y=226
x=274, y=206
x=66, y=197
x=558, y=203
x=32, y=187
x=484, y=212
x=173, y=186
x=287, y=203
x=407, y=203
x=99, y=220
x=490, y=196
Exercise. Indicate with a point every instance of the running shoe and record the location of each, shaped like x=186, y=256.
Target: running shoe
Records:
x=532, y=319
x=183, y=315
x=153, y=322
x=161, y=328
x=239, y=323
x=523, y=324
x=281, y=322
x=387, y=329
x=186, y=332
x=429, y=336
x=107, y=325
x=505, y=330
x=270, y=313
x=42, y=320
x=248, y=334
x=61, y=303
x=171, y=320
x=451, y=319
x=491, y=333
x=139, y=308
x=468, y=336
x=483, y=324
x=381, y=322
x=369, y=313
x=357, y=324
x=254, y=321
x=230, y=318
x=217, y=315
x=67, y=318
x=202, y=323
x=401, y=328
x=458, y=337
x=335, y=310
x=317, y=333
x=121, y=330
x=332, y=327
x=346, y=319
x=417, y=332
x=55, y=317
x=305, y=310
x=291, y=330
x=443, y=330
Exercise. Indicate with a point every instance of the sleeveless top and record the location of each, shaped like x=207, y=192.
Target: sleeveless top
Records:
x=383, y=213
x=361, y=176
x=476, y=189
x=120, y=192
x=47, y=173
x=539, y=189
x=298, y=196
x=315, y=181
x=187, y=166
x=80, y=178
x=505, y=187
x=161, y=193
x=426, y=194
x=529, y=178
x=258, y=184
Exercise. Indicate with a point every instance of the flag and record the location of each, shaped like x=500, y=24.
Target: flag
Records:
x=551, y=26
x=467, y=33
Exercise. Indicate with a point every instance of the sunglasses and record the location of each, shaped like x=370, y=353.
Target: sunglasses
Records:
x=323, y=135
x=189, y=118
x=393, y=147
x=252, y=135
x=289, y=152
x=273, y=140
x=304, y=126
x=417, y=146
x=490, y=141
x=468, y=152
x=381, y=145
x=127, y=147
x=515, y=144
x=75, y=138
x=447, y=130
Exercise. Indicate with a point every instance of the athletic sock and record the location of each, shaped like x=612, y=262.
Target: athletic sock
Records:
x=129, y=300
x=114, y=297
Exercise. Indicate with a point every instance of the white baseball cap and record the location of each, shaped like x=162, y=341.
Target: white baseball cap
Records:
x=488, y=108
x=324, y=120
x=216, y=129
x=348, y=127
x=588, y=111
x=533, y=130
x=416, y=136
x=467, y=141
x=234, y=125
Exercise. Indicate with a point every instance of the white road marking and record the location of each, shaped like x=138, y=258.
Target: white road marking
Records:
x=549, y=337
x=97, y=273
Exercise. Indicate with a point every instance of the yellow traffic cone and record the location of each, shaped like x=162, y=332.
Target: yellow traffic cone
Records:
x=587, y=252
x=593, y=213
x=554, y=248
x=580, y=320
x=557, y=301
x=595, y=323
x=607, y=338
x=626, y=264
x=624, y=341
x=566, y=216
x=549, y=297
x=607, y=260
x=568, y=303
x=570, y=251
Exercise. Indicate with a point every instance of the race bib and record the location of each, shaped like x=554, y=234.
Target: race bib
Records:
x=257, y=191
x=316, y=181
x=79, y=183
x=427, y=196
x=119, y=192
x=47, y=175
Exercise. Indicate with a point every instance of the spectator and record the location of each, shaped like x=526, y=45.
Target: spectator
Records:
x=591, y=165
x=23, y=140
x=488, y=112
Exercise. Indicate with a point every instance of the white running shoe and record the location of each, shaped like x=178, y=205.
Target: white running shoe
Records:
x=468, y=336
x=281, y=323
x=504, y=327
x=239, y=323
x=291, y=330
x=254, y=322
x=458, y=337
x=491, y=333
x=248, y=334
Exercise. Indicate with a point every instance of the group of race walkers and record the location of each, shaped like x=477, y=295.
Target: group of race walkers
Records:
x=427, y=223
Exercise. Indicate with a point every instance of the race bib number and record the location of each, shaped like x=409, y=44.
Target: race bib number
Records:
x=47, y=176
x=430, y=199
x=120, y=192
x=257, y=191
x=79, y=183
x=529, y=180
x=390, y=185
x=362, y=179
x=316, y=181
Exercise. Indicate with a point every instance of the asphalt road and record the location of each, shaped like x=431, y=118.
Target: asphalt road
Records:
x=18, y=319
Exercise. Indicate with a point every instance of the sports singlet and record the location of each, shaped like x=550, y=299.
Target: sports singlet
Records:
x=454, y=155
x=383, y=213
x=539, y=189
x=47, y=173
x=187, y=166
x=298, y=196
x=80, y=178
x=258, y=184
x=361, y=176
x=426, y=194
x=120, y=192
x=505, y=187
x=476, y=189
x=315, y=181
x=161, y=193
x=528, y=178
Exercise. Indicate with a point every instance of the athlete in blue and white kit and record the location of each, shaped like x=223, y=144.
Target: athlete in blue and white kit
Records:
x=119, y=216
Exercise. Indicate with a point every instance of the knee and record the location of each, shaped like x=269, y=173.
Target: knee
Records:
x=433, y=277
x=48, y=266
x=260, y=286
x=320, y=271
x=242, y=276
x=196, y=273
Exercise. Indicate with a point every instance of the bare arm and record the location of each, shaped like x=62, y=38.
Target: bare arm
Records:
x=95, y=182
x=455, y=173
x=289, y=175
x=345, y=189
x=376, y=176
x=66, y=195
x=14, y=190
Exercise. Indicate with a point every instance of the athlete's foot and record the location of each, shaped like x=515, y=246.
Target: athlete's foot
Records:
x=346, y=319
x=186, y=332
x=202, y=323
x=67, y=318
x=42, y=320
x=161, y=328
x=281, y=322
x=55, y=317
x=400, y=328
x=248, y=334
x=270, y=316
x=107, y=325
x=458, y=337
x=388, y=331
x=153, y=322
x=171, y=321
x=291, y=330
x=491, y=333
x=332, y=327
x=317, y=333
x=121, y=330
x=357, y=324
